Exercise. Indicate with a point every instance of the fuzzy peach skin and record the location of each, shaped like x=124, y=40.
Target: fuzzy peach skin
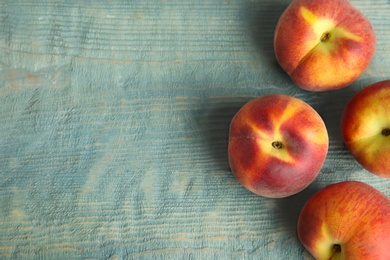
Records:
x=277, y=145
x=323, y=45
x=365, y=127
x=346, y=220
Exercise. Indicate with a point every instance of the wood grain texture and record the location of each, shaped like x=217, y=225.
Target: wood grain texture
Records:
x=114, y=121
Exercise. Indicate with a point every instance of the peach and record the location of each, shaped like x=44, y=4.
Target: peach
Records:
x=277, y=145
x=346, y=220
x=323, y=45
x=365, y=127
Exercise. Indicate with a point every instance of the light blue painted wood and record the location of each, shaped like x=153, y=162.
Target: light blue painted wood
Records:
x=114, y=122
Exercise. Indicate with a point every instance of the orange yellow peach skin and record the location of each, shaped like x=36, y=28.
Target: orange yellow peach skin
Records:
x=323, y=45
x=277, y=145
x=365, y=127
x=346, y=220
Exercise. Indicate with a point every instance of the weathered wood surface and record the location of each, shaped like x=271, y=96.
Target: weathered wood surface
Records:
x=114, y=122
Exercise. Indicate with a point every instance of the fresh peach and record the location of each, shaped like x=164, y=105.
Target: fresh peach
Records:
x=346, y=220
x=277, y=145
x=323, y=45
x=365, y=127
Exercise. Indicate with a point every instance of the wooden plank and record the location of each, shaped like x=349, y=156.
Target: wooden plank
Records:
x=114, y=125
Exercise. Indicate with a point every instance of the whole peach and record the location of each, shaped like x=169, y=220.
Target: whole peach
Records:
x=277, y=145
x=365, y=127
x=323, y=45
x=346, y=220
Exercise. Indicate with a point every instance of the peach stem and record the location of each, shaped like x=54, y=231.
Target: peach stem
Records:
x=336, y=248
x=325, y=37
x=386, y=132
x=277, y=145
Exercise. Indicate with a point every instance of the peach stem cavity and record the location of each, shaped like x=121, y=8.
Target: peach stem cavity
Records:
x=386, y=132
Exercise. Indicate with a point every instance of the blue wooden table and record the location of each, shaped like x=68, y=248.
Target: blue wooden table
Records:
x=114, y=121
